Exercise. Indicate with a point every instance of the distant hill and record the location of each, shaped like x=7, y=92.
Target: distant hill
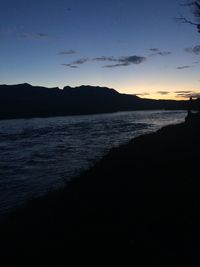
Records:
x=25, y=101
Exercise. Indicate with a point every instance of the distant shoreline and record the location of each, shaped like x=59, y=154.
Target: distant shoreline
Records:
x=84, y=114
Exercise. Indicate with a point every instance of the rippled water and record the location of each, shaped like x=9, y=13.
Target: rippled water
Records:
x=38, y=155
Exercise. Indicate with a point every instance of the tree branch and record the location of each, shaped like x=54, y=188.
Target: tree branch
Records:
x=184, y=20
x=197, y=4
x=196, y=12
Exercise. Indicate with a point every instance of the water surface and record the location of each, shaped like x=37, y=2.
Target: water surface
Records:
x=40, y=154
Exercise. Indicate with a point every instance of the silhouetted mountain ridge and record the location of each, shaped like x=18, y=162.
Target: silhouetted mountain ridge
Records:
x=25, y=101
x=90, y=89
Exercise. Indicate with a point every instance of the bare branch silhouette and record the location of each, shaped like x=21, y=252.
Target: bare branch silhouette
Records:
x=196, y=12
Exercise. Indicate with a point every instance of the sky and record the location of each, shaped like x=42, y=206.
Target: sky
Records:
x=133, y=46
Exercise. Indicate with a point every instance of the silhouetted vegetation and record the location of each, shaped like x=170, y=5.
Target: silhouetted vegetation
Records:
x=195, y=5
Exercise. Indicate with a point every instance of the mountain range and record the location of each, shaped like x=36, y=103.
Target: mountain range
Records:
x=26, y=101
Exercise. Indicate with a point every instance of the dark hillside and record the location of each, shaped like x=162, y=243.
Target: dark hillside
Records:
x=25, y=101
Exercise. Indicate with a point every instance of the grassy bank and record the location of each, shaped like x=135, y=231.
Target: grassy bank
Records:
x=139, y=205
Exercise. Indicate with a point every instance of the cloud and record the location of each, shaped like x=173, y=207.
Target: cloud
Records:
x=103, y=58
x=132, y=60
x=154, y=50
x=70, y=66
x=123, y=61
x=183, y=67
x=162, y=92
x=183, y=92
x=34, y=36
x=119, y=61
x=80, y=61
x=164, y=53
x=116, y=65
x=158, y=52
x=18, y=33
x=68, y=52
x=74, y=64
x=195, y=50
x=142, y=94
x=188, y=94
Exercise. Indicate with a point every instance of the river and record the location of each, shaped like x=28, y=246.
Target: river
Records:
x=40, y=154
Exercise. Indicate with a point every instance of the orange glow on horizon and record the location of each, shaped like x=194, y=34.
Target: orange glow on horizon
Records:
x=161, y=92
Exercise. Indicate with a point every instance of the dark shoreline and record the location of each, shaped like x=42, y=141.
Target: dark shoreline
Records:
x=138, y=205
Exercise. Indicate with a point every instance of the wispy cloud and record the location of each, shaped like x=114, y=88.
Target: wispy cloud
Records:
x=183, y=92
x=119, y=61
x=68, y=52
x=34, y=36
x=76, y=63
x=183, y=67
x=164, y=53
x=195, y=50
x=80, y=61
x=158, y=52
x=188, y=94
x=142, y=94
x=116, y=65
x=70, y=66
x=155, y=50
x=19, y=34
x=123, y=61
x=103, y=58
x=162, y=92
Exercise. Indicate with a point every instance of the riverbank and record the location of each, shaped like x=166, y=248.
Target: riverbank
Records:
x=138, y=205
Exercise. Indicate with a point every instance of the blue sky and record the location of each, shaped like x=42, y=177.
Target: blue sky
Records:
x=134, y=46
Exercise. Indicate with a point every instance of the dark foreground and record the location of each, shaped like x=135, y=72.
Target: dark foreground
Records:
x=139, y=206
